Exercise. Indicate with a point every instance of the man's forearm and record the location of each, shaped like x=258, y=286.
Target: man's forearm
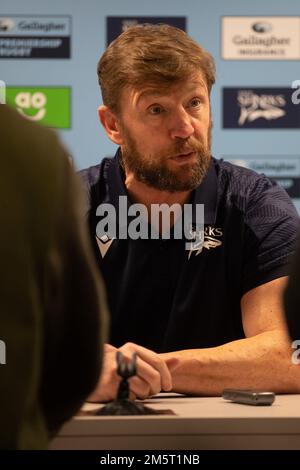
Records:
x=262, y=361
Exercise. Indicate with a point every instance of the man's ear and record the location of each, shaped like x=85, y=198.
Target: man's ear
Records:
x=110, y=124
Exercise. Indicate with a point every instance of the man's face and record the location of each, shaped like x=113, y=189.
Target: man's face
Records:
x=166, y=134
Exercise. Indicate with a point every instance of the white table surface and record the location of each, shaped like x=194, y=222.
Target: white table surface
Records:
x=200, y=423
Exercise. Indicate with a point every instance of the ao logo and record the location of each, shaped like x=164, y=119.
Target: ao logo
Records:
x=37, y=101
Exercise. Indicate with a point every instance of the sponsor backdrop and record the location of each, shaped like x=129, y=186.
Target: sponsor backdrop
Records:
x=49, y=52
x=49, y=106
x=259, y=108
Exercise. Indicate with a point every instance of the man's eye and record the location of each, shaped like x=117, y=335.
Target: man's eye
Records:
x=195, y=103
x=155, y=109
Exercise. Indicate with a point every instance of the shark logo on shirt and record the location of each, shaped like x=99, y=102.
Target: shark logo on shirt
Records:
x=205, y=239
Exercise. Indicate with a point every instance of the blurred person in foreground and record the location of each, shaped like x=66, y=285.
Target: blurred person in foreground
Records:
x=52, y=302
x=206, y=318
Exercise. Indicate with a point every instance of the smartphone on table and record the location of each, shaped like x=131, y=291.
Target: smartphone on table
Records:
x=249, y=397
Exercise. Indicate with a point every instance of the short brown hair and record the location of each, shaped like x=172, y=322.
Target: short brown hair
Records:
x=150, y=54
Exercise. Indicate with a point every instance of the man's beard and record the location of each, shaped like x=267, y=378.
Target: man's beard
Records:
x=153, y=171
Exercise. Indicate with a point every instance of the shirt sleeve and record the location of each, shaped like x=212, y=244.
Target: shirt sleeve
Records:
x=292, y=297
x=271, y=227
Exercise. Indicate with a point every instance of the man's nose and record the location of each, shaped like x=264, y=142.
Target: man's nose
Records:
x=181, y=125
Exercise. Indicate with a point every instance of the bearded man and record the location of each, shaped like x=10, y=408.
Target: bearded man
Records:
x=207, y=318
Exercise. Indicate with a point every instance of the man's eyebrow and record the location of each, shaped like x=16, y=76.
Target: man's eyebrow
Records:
x=165, y=91
x=152, y=92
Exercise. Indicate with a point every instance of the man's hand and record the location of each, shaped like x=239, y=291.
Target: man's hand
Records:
x=153, y=374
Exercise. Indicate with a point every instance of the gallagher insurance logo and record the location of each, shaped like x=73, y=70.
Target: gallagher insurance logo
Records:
x=6, y=24
x=260, y=38
x=285, y=169
x=35, y=37
x=255, y=108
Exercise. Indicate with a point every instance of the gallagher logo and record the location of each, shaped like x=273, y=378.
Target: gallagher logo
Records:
x=6, y=24
x=262, y=27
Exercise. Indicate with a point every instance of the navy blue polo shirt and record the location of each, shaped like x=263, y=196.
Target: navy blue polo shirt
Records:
x=165, y=298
